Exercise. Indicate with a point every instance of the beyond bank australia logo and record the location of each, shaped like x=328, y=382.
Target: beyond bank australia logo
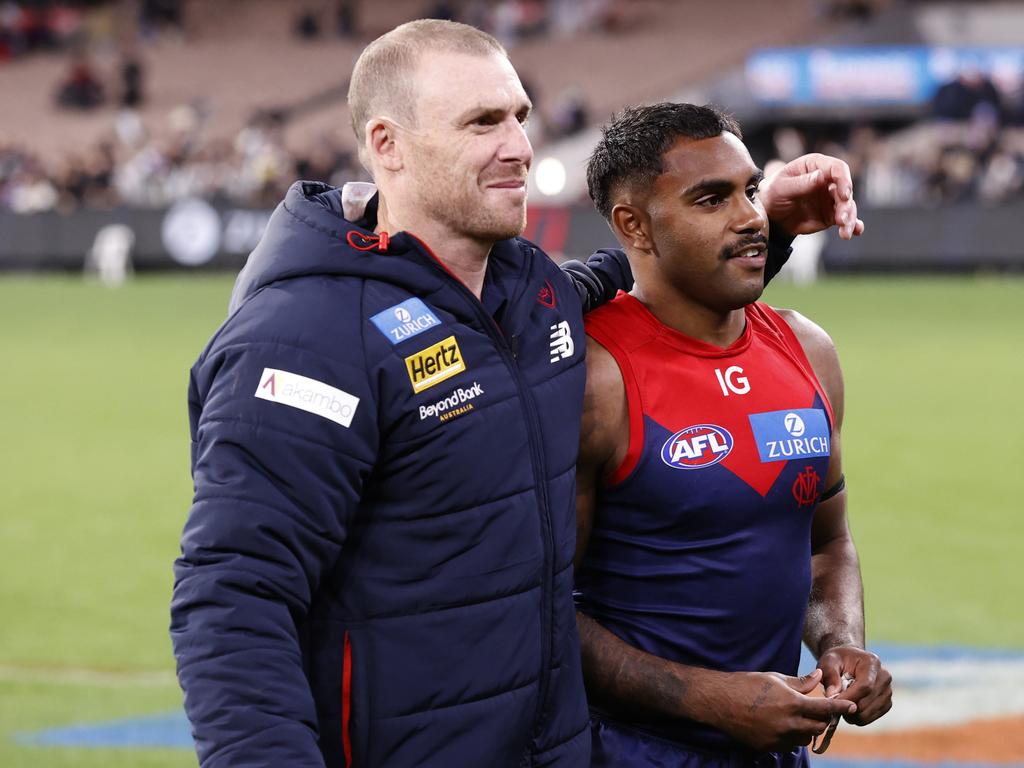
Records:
x=696, y=447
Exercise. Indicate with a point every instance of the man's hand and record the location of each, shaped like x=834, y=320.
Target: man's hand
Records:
x=871, y=688
x=772, y=712
x=810, y=194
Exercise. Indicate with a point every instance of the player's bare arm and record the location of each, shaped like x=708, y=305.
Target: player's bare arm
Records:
x=834, y=628
x=767, y=711
x=604, y=436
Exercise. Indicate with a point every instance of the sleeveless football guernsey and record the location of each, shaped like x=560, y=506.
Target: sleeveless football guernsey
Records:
x=700, y=548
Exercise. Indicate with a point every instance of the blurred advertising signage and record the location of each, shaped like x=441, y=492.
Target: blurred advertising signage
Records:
x=873, y=75
x=193, y=231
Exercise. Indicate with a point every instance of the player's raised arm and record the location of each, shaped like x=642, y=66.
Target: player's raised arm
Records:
x=834, y=628
x=806, y=195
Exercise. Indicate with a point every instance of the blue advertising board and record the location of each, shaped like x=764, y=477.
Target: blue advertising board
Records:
x=872, y=75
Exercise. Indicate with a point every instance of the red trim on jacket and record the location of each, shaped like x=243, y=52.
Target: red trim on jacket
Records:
x=346, y=701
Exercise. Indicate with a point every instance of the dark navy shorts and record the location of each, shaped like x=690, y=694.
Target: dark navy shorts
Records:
x=618, y=746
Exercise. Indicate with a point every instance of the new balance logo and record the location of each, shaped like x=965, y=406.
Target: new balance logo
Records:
x=562, y=345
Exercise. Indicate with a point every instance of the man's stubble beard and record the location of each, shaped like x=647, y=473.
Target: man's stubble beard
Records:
x=461, y=207
x=464, y=213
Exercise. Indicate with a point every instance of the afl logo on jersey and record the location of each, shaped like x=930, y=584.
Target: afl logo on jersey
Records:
x=696, y=447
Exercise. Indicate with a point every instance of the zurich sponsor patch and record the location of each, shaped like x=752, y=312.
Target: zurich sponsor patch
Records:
x=405, y=320
x=801, y=433
x=696, y=447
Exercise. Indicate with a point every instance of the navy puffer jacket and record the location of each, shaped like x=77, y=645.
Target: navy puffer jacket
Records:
x=377, y=566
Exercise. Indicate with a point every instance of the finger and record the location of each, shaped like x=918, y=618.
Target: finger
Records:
x=850, y=220
x=790, y=187
x=805, y=684
x=859, y=228
x=831, y=668
x=838, y=173
x=870, y=710
x=863, y=686
x=804, y=728
x=826, y=709
x=879, y=707
x=876, y=703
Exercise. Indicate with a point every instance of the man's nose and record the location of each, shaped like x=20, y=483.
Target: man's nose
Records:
x=516, y=145
x=750, y=215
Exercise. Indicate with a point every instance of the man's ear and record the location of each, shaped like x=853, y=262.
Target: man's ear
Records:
x=632, y=226
x=382, y=146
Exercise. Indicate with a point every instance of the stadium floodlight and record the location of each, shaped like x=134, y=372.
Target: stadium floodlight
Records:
x=550, y=176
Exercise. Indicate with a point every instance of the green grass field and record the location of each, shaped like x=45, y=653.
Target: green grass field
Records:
x=96, y=483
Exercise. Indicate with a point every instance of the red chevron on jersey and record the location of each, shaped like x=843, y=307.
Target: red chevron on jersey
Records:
x=706, y=396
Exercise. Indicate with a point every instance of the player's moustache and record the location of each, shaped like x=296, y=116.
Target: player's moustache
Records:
x=748, y=242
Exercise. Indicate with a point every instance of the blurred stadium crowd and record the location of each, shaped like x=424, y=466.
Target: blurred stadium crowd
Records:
x=968, y=147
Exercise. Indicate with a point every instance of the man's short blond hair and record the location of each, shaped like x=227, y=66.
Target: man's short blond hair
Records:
x=383, y=81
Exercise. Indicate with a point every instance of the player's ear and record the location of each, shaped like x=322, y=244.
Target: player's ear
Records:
x=632, y=226
x=382, y=145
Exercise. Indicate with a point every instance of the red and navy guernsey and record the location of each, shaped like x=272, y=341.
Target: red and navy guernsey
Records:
x=700, y=550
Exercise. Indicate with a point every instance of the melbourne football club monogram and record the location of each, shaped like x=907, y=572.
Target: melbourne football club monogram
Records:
x=546, y=295
x=805, y=487
x=562, y=345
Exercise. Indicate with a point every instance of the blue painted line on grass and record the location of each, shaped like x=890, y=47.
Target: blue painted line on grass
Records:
x=168, y=730
x=846, y=762
x=172, y=730
x=890, y=652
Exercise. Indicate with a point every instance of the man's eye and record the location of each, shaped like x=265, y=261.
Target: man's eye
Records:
x=710, y=201
x=752, y=190
x=486, y=120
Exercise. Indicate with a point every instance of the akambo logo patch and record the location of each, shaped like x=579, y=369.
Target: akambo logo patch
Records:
x=696, y=447
x=456, y=404
x=798, y=434
x=405, y=320
x=307, y=395
x=434, y=364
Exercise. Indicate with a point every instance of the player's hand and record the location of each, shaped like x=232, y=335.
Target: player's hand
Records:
x=871, y=688
x=810, y=194
x=772, y=712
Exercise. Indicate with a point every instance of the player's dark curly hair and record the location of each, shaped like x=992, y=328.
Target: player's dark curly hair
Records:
x=632, y=145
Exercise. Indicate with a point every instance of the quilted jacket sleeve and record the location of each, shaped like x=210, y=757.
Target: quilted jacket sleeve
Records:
x=278, y=479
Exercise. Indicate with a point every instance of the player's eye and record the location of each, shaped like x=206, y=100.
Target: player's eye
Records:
x=710, y=201
x=485, y=120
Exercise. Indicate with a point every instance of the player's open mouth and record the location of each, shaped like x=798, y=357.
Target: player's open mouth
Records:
x=751, y=255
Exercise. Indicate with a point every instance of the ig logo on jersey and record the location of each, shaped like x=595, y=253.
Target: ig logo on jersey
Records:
x=696, y=447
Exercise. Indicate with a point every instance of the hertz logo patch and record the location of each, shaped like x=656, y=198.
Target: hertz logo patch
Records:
x=434, y=364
